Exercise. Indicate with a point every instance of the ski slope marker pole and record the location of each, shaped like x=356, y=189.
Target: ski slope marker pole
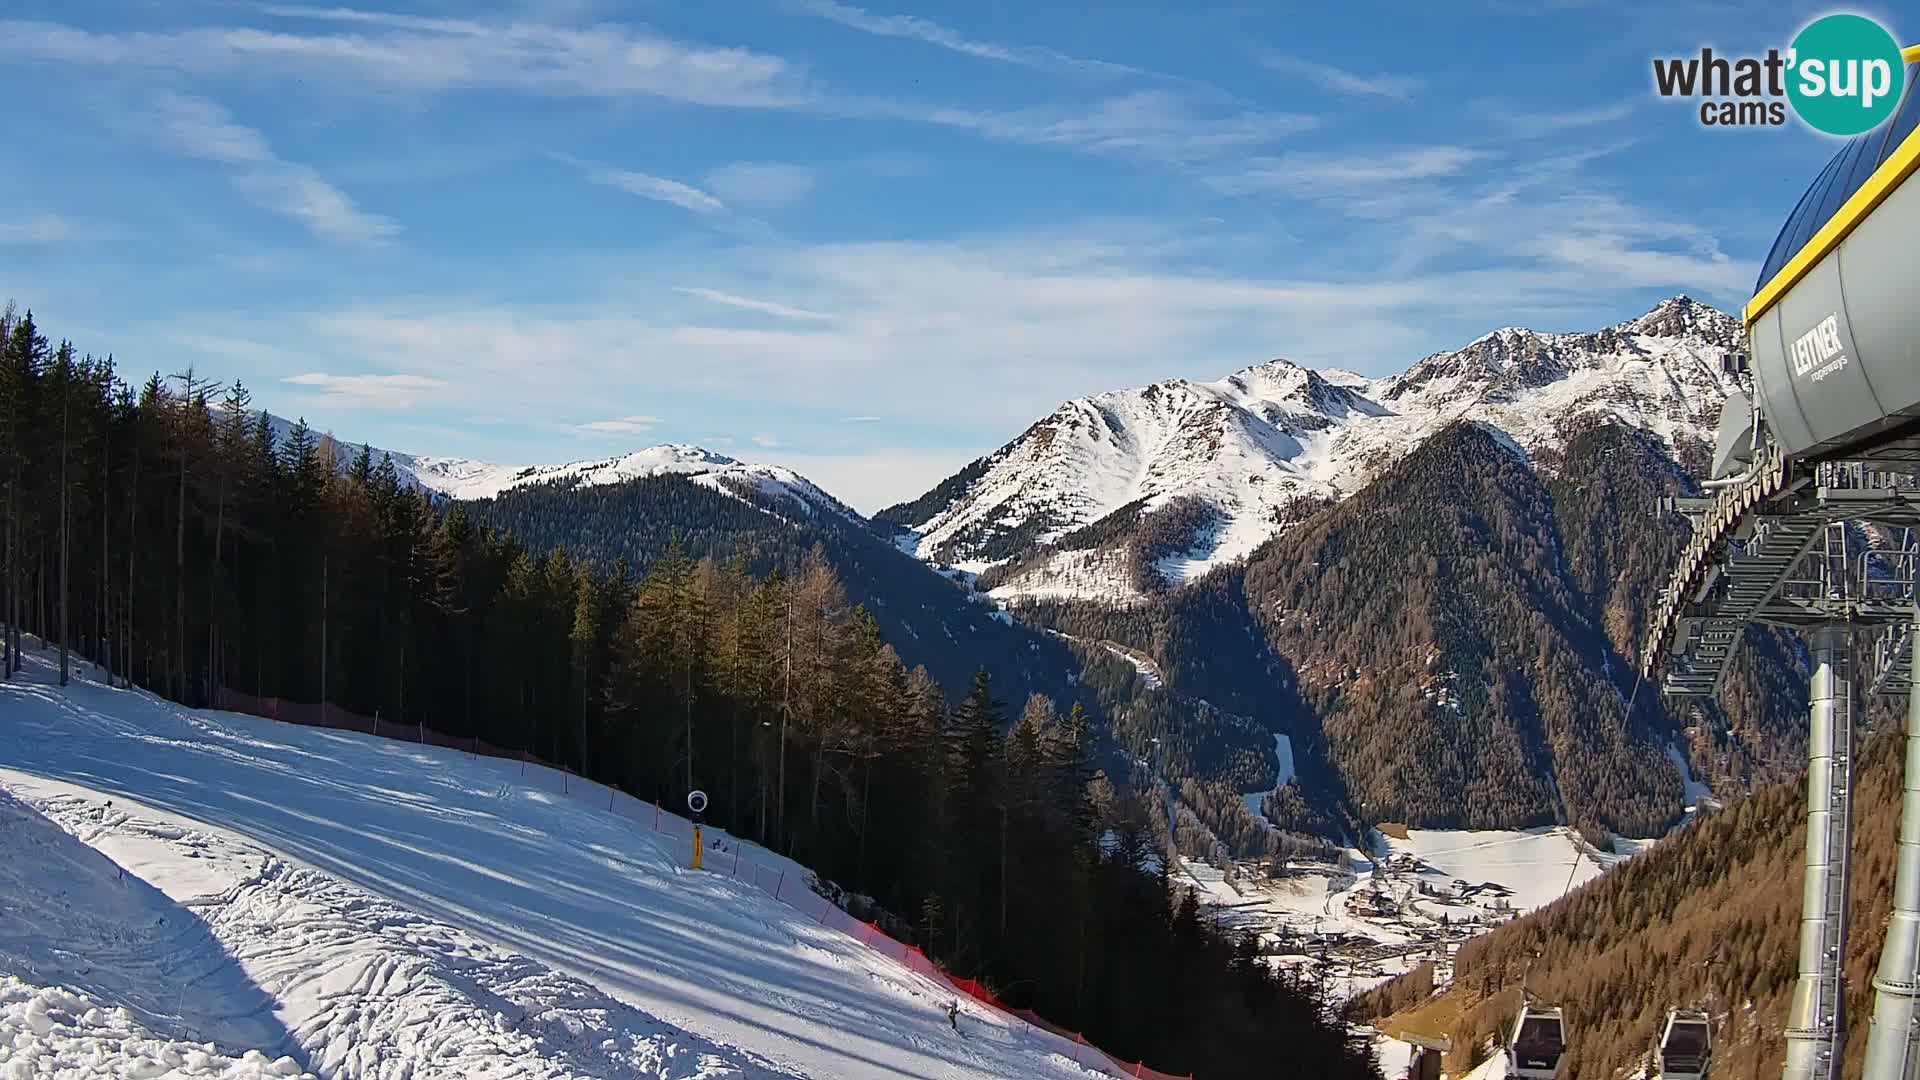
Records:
x=697, y=803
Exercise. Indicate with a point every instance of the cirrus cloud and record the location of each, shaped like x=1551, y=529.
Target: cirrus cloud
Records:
x=624, y=425
x=392, y=391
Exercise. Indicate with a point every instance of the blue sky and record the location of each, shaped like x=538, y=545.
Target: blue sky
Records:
x=870, y=242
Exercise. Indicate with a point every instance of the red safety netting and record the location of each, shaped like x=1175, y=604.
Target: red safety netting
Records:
x=775, y=883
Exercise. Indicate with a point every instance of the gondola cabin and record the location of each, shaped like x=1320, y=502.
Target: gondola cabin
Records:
x=1536, y=1044
x=1686, y=1044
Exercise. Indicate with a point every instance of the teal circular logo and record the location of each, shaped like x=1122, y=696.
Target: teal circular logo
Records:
x=1845, y=74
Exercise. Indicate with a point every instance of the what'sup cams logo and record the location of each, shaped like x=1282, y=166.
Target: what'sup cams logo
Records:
x=1842, y=75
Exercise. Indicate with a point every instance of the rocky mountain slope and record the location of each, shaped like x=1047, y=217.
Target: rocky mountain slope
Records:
x=1132, y=491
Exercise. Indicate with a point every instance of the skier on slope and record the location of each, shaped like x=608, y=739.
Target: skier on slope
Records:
x=953, y=1014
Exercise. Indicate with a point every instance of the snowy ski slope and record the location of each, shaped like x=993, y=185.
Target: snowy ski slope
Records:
x=257, y=899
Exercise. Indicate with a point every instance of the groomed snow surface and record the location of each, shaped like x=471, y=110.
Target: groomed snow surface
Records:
x=196, y=893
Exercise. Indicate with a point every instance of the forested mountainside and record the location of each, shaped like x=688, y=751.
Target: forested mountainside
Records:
x=1440, y=638
x=1146, y=729
x=932, y=622
x=167, y=536
x=1453, y=645
x=1709, y=917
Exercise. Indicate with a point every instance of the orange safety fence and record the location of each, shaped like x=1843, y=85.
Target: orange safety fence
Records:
x=725, y=858
x=337, y=718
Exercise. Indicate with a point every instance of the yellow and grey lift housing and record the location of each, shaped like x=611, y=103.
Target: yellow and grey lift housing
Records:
x=1834, y=324
x=1829, y=441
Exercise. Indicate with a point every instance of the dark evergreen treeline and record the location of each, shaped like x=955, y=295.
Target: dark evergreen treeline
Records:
x=163, y=533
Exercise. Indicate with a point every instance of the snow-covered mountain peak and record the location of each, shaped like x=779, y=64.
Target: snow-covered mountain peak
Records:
x=1351, y=380
x=462, y=479
x=1255, y=446
x=1682, y=317
x=467, y=478
x=676, y=457
x=1274, y=380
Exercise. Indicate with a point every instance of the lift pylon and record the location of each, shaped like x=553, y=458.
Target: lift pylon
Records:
x=1893, y=1043
x=1816, y=1024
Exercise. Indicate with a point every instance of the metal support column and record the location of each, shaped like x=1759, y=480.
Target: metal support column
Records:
x=1816, y=1026
x=1893, y=1043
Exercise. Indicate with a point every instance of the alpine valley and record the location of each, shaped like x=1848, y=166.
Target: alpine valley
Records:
x=1299, y=601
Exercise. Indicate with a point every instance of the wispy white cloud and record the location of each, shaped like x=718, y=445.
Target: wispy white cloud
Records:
x=394, y=391
x=1504, y=117
x=1600, y=238
x=1155, y=124
x=198, y=128
x=1341, y=81
x=347, y=50
x=645, y=185
x=764, y=307
x=1552, y=213
x=657, y=188
x=415, y=53
x=763, y=183
x=766, y=441
x=624, y=425
x=926, y=31
x=320, y=13
x=1012, y=323
x=38, y=229
x=1315, y=174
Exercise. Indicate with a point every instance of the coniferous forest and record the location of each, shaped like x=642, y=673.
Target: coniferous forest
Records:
x=158, y=531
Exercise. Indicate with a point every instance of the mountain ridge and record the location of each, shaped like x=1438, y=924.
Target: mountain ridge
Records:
x=468, y=479
x=1255, y=443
